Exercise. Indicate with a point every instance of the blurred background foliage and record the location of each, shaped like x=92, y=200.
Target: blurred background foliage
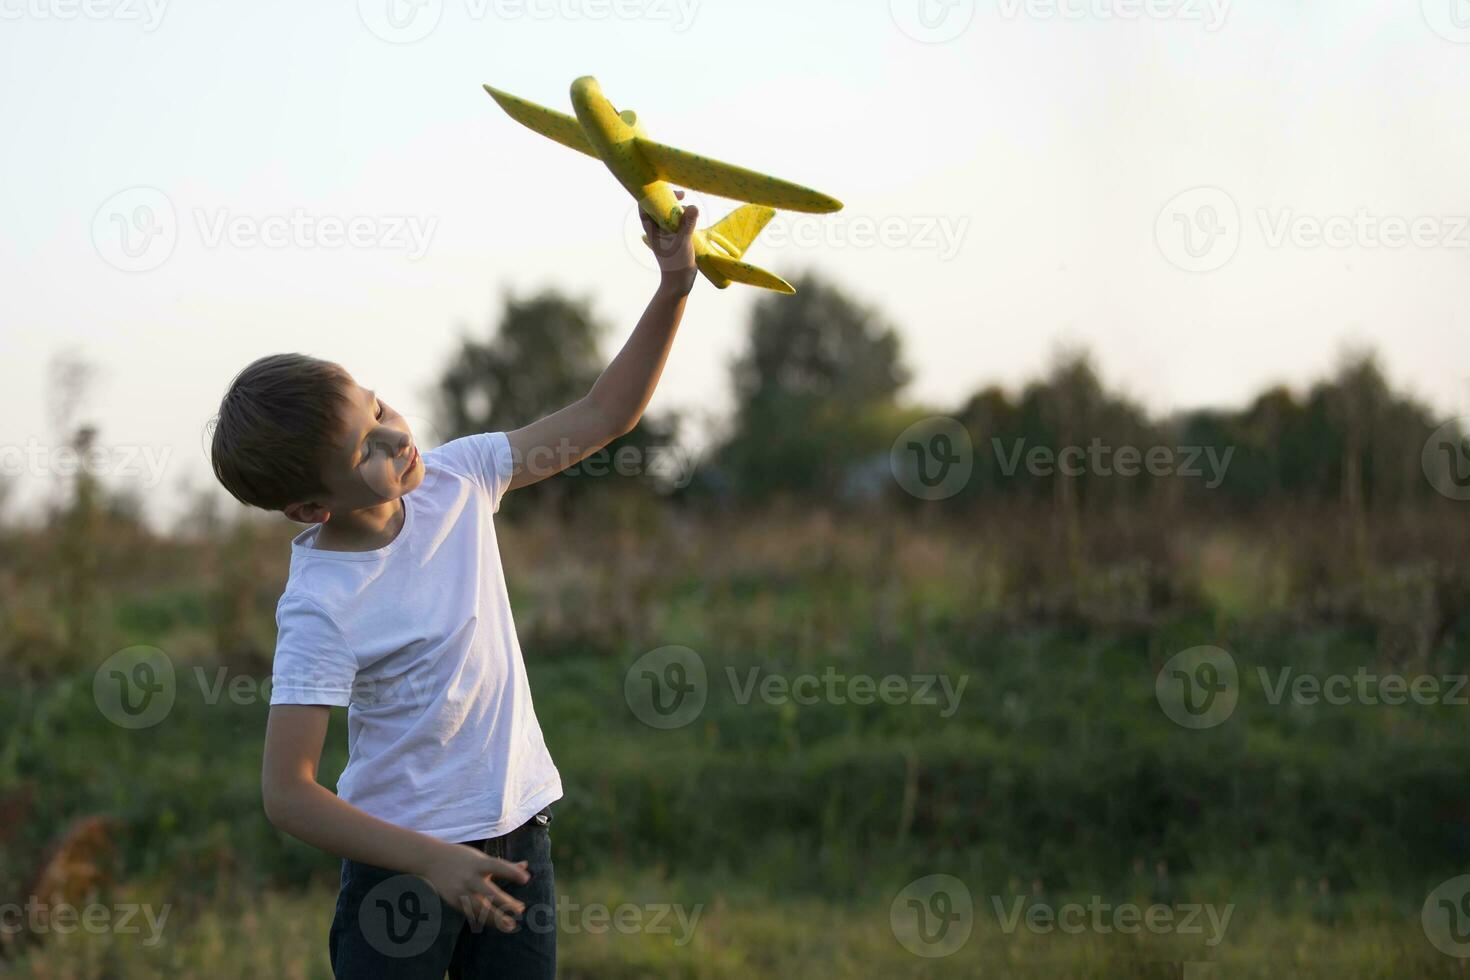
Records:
x=1324, y=549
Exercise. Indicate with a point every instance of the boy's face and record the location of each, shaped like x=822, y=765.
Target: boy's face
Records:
x=374, y=459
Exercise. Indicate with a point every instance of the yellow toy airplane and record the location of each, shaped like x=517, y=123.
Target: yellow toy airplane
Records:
x=646, y=169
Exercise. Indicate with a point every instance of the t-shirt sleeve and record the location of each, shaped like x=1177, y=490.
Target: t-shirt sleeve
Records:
x=484, y=457
x=313, y=663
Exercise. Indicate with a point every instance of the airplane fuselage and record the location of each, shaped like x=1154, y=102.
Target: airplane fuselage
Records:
x=612, y=135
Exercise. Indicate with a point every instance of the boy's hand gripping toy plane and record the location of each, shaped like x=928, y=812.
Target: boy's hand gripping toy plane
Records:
x=648, y=170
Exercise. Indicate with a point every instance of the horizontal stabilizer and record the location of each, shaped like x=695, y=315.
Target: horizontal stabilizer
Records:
x=722, y=271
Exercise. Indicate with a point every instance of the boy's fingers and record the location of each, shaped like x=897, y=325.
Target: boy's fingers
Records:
x=503, y=868
x=502, y=921
x=691, y=214
x=500, y=899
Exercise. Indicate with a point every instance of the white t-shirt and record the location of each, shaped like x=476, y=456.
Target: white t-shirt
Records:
x=416, y=639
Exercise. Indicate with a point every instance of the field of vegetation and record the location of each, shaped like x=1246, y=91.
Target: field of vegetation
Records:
x=936, y=738
x=1053, y=778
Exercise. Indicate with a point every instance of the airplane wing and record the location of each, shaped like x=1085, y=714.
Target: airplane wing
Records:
x=727, y=180
x=548, y=122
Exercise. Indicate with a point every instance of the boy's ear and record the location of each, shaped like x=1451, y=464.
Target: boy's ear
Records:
x=307, y=513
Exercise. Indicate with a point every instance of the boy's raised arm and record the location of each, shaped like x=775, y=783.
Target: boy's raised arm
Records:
x=618, y=398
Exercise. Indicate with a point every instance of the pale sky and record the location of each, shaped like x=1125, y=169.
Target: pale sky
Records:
x=1150, y=179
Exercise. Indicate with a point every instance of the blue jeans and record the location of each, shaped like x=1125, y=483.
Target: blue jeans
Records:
x=394, y=925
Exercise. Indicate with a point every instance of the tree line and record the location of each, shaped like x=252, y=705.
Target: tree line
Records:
x=820, y=397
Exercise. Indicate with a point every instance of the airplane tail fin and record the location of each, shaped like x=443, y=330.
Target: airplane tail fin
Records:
x=728, y=239
x=736, y=230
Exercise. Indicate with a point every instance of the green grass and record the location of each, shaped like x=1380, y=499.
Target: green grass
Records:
x=744, y=933
x=795, y=826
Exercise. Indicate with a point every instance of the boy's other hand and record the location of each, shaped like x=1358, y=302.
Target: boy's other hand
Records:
x=673, y=250
x=461, y=875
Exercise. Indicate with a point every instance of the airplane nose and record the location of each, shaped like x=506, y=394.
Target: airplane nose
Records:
x=585, y=86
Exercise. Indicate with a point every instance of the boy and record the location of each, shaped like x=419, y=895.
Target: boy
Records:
x=396, y=608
